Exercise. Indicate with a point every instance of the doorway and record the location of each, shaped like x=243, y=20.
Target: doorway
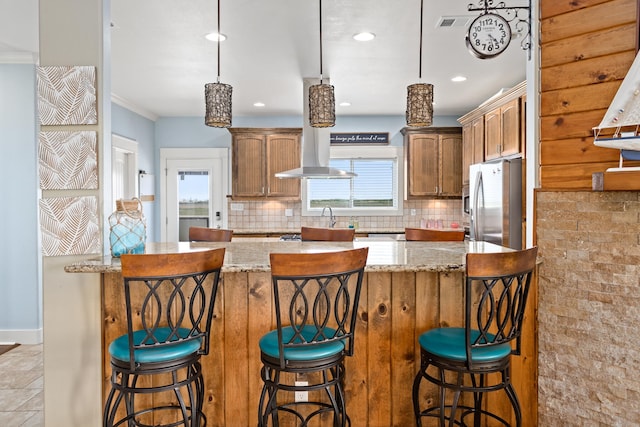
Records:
x=195, y=186
x=124, y=167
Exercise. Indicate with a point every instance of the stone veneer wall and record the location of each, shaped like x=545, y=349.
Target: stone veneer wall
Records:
x=270, y=215
x=589, y=308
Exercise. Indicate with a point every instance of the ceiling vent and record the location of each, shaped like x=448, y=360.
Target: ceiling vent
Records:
x=453, y=21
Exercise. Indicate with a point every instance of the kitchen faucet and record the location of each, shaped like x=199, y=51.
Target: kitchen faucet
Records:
x=332, y=219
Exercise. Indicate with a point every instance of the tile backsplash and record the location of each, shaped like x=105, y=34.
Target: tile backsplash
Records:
x=271, y=215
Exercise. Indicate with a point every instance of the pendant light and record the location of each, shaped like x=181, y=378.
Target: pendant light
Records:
x=322, y=104
x=420, y=95
x=218, y=96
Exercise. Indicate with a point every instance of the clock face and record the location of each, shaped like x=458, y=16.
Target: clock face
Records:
x=488, y=36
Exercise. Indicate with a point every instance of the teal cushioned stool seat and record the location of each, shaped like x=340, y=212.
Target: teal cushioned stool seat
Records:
x=119, y=348
x=449, y=343
x=269, y=345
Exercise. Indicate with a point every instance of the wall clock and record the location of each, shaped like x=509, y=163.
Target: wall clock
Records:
x=488, y=36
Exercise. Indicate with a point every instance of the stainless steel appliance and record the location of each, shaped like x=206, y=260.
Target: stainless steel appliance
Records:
x=465, y=203
x=495, y=200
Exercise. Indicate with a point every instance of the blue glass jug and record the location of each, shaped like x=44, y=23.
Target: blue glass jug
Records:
x=128, y=230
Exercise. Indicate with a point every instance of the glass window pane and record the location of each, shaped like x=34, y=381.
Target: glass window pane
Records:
x=193, y=201
x=374, y=187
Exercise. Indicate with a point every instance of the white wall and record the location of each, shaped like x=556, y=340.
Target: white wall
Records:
x=132, y=125
x=20, y=267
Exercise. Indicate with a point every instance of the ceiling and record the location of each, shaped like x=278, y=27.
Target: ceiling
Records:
x=161, y=60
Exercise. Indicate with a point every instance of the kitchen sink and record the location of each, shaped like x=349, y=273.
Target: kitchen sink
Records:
x=383, y=236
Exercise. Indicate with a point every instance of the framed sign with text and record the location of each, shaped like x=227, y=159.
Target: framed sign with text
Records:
x=357, y=138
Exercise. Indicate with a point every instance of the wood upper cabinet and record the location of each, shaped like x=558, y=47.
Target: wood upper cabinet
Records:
x=257, y=154
x=433, y=162
x=495, y=129
x=502, y=130
x=472, y=145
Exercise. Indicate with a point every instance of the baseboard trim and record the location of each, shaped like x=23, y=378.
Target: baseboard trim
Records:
x=27, y=336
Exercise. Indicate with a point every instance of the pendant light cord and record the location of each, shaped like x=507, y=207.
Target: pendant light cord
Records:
x=421, y=15
x=320, y=15
x=219, y=40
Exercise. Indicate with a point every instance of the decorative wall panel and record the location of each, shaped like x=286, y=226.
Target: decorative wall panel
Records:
x=69, y=226
x=68, y=160
x=67, y=95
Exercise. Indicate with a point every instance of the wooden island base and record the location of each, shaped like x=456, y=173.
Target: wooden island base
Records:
x=395, y=308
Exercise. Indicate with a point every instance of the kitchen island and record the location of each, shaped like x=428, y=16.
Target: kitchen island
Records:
x=409, y=287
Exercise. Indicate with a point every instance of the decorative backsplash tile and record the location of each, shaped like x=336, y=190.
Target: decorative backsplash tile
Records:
x=69, y=226
x=270, y=215
x=67, y=95
x=68, y=160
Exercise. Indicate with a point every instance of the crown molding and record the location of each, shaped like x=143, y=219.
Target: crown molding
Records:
x=19, y=58
x=133, y=107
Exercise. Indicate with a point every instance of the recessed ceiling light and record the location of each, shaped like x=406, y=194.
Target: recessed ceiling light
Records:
x=345, y=104
x=458, y=79
x=364, y=36
x=214, y=37
x=258, y=104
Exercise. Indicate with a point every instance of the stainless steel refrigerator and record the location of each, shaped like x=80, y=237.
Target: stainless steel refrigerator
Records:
x=495, y=202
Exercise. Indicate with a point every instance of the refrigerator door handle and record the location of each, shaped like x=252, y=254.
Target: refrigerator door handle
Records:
x=474, y=211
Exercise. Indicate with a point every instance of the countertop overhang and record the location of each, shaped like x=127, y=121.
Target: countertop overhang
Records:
x=253, y=256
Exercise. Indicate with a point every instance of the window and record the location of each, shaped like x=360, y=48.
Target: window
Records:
x=375, y=191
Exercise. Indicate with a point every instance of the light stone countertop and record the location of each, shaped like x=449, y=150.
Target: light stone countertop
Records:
x=253, y=255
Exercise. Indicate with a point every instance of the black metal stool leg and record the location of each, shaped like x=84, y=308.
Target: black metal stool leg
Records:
x=270, y=377
x=110, y=407
x=129, y=397
x=456, y=399
x=442, y=398
x=477, y=399
x=515, y=403
x=415, y=394
x=337, y=398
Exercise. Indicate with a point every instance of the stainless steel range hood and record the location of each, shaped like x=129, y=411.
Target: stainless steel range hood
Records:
x=315, y=147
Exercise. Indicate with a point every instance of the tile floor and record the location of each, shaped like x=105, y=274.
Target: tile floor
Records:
x=21, y=395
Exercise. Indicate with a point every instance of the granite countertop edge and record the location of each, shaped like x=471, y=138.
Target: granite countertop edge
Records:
x=242, y=232
x=84, y=267
x=253, y=256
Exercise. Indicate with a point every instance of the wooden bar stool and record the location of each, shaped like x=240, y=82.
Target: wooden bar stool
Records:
x=204, y=234
x=460, y=359
x=316, y=299
x=169, y=300
x=429, y=235
x=327, y=234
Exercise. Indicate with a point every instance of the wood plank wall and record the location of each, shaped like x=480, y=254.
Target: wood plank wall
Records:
x=587, y=47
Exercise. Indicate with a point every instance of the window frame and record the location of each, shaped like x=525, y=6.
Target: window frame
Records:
x=368, y=152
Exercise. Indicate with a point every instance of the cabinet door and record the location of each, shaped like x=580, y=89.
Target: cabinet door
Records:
x=472, y=146
x=492, y=134
x=283, y=153
x=523, y=126
x=423, y=165
x=249, y=166
x=510, y=118
x=450, y=165
x=467, y=151
x=478, y=141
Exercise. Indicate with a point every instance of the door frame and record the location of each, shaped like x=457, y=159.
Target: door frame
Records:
x=190, y=154
x=130, y=148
